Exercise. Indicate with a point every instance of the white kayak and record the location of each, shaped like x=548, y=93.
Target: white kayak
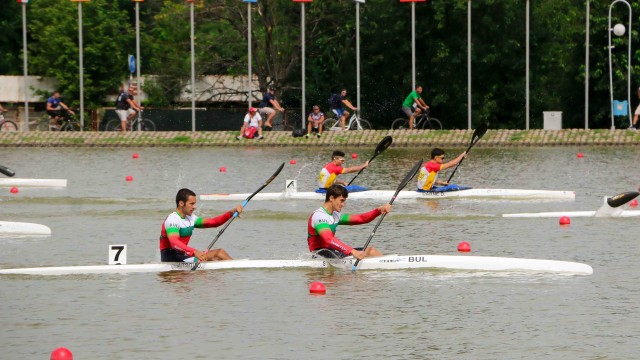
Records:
x=387, y=262
x=606, y=210
x=21, y=228
x=292, y=194
x=6, y=182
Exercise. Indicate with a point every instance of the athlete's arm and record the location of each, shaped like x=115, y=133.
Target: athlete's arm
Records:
x=355, y=168
x=214, y=222
x=173, y=235
x=357, y=219
x=324, y=231
x=453, y=162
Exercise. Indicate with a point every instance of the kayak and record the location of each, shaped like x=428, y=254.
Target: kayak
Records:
x=291, y=193
x=387, y=262
x=6, y=182
x=611, y=207
x=21, y=228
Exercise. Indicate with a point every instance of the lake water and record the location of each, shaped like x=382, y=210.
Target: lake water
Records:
x=269, y=314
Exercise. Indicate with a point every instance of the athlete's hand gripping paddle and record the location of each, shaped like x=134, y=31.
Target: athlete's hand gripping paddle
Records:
x=244, y=203
x=5, y=170
x=382, y=146
x=404, y=183
x=477, y=135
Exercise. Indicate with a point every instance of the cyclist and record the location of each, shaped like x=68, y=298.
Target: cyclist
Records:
x=413, y=105
x=315, y=121
x=54, y=104
x=268, y=107
x=337, y=103
x=126, y=107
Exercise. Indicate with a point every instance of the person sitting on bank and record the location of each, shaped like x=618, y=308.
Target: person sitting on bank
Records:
x=252, y=124
x=315, y=121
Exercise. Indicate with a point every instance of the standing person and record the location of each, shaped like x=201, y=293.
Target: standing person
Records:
x=315, y=121
x=329, y=173
x=636, y=114
x=428, y=175
x=178, y=228
x=337, y=102
x=126, y=107
x=323, y=223
x=54, y=105
x=268, y=107
x=252, y=124
x=413, y=105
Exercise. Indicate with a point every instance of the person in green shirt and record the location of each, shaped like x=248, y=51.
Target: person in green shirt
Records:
x=413, y=105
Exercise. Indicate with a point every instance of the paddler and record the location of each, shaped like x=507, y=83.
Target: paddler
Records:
x=324, y=222
x=178, y=227
x=329, y=173
x=428, y=175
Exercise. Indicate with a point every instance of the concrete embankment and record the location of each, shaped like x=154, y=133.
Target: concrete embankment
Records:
x=401, y=138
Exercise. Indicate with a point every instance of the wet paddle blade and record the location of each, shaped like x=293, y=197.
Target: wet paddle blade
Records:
x=5, y=170
x=622, y=199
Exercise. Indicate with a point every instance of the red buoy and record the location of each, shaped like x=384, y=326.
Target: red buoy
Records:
x=129, y=178
x=317, y=288
x=135, y=155
x=14, y=190
x=580, y=156
x=565, y=220
x=222, y=169
x=61, y=354
x=292, y=162
x=354, y=156
x=464, y=247
x=633, y=203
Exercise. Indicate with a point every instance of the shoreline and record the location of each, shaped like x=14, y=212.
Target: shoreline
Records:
x=401, y=138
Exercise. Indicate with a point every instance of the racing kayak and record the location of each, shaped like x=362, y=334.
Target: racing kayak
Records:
x=6, y=182
x=21, y=228
x=291, y=193
x=612, y=207
x=387, y=262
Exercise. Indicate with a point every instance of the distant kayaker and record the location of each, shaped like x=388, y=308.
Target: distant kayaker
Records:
x=178, y=228
x=329, y=173
x=324, y=222
x=428, y=175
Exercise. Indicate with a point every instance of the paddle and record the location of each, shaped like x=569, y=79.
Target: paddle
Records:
x=5, y=170
x=477, y=135
x=244, y=203
x=622, y=199
x=404, y=183
x=382, y=146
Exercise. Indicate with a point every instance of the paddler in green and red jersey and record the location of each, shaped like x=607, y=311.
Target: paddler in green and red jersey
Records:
x=324, y=222
x=178, y=228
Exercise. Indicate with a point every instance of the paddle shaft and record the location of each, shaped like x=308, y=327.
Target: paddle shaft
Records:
x=404, y=183
x=5, y=170
x=477, y=134
x=235, y=213
x=382, y=146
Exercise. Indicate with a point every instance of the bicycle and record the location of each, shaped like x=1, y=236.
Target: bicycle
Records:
x=132, y=125
x=66, y=122
x=422, y=121
x=7, y=125
x=355, y=122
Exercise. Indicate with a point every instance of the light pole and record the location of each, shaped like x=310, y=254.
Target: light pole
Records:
x=358, y=53
x=81, y=62
x=249, y=82
x=619, y=30
x=139, y=85
x=413, y=40
x=25, y=120
x=469, y=64
x=193, y=70
x=302, y=36
x=586, y=68
x=527, y=70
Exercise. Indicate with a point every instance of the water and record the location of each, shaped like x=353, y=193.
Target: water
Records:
x=269, y=314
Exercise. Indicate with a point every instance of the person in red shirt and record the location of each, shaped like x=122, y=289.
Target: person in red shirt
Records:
x=329, y=173
x=428, y=175
x=178, y=228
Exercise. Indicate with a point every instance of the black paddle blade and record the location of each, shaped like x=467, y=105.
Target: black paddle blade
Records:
x=622, y=199
x=478, y=134
x=7, y=171
x=383, y=145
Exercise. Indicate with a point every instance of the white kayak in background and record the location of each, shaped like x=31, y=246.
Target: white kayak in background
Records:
x=21, y=228
x=387, y=262
x=291, y=193
x=7, y=182
x=612, y=207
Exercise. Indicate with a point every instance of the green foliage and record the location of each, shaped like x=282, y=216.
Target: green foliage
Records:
x=557, y=53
